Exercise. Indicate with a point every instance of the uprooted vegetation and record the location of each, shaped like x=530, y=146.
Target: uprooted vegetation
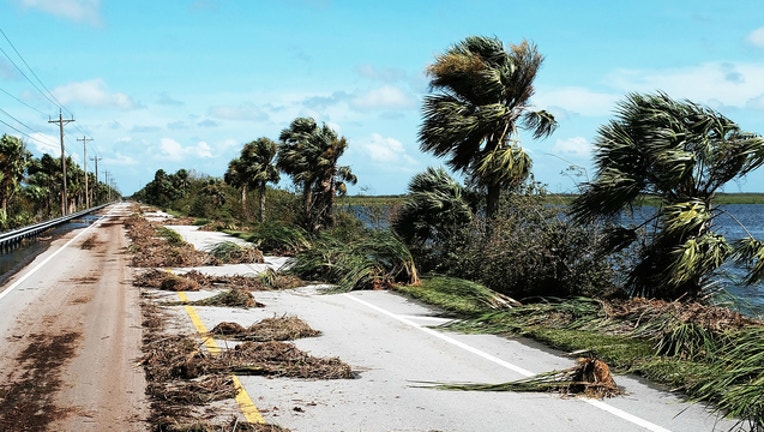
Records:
x=183, y=377
x=195, y=281
x=590, y=377
x=269, y=329
x=154, y=246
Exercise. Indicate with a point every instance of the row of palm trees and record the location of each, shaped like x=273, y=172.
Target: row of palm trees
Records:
x=306, y=152
x=31, y=188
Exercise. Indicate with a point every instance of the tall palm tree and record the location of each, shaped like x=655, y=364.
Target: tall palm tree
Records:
x=309, y=154
x=481, y=100
x=254, y=169
x=298, y=151
x=681, y=153
x=14, y=160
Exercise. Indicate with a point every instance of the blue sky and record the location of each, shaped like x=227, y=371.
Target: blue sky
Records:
x=186, y=83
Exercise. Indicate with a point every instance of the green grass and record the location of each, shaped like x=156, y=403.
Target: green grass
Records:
x=172, y=236
x=456, y=296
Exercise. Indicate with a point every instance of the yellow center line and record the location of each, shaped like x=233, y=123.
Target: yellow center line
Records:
x=247, y=406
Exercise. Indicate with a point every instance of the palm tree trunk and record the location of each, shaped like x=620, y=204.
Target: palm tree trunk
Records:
x=261, y=203
x=244, y=201
x=492, y=201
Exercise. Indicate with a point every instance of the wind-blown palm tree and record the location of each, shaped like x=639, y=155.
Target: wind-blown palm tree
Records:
x=432, y=216
x=481, y=100
x=681, y=153
x=14, y=160
x=309, y=154
x=254, y=169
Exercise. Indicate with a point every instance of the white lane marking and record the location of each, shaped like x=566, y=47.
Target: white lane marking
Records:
x=526, y=373
x=33, y=270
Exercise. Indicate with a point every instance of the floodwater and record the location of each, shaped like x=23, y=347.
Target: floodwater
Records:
x=15, y=259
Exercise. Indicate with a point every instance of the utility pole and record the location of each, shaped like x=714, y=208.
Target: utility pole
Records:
x=85, y=140
x=61, y=122
x=108, y=188
x=95, y=195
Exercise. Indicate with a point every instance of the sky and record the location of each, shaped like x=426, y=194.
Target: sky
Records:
x=186, y=83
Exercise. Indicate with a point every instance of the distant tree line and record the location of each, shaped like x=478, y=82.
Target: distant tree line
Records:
x=31, y=188
x=307, y=152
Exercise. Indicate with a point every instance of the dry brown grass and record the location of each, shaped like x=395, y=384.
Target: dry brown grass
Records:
x=151, y=250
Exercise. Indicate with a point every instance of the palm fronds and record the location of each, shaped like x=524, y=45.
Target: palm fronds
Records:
x=590, y=377
x=378, y=260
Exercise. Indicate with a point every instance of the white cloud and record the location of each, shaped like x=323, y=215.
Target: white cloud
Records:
x=203, y=150
x=576, y=146
x=119, y=159
x=385, y=97
x=93, y=93
x=387, y=151
x=172, y=150
x=756, y=37
x=87, y=11
x=45, y=143
x=716, y=83
x=577, y=100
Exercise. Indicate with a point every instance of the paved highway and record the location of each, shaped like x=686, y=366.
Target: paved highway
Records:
x=71, y=325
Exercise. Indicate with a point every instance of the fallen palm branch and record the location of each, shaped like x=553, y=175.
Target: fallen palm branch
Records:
x=229, y=298
x=269, y=329
x=282, y=359
x=233, y=253
x=590, y=377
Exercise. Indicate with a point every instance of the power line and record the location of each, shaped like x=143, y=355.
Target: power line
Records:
x=48, y=95
x=22, y=102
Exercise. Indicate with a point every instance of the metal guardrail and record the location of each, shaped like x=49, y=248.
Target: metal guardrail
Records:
x=10, y=239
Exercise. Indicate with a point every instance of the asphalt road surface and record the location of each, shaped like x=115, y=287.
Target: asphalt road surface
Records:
x=71, y=326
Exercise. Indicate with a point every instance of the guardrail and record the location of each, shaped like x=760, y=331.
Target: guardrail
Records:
x=11, y=239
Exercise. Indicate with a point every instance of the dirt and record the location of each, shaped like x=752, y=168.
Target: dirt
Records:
x=69, y=359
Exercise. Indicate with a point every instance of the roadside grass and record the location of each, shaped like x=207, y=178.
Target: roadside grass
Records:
x=710, y=354
x=458, y=297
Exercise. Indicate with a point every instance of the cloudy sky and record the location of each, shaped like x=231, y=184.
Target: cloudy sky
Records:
x=186, y=83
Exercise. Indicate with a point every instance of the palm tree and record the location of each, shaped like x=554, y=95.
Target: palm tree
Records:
x=296, y=155
x=681, y=153
x=482, y=98
x=430, y=220
x=309, y=154
x=254, y=169
x=14, y=160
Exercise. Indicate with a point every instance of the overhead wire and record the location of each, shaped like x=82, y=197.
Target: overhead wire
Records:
x=47, y=94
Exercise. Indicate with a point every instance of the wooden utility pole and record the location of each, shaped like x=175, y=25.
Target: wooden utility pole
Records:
x=61, y=122
x=95, y=195
x=85, y=157
x=108, y=188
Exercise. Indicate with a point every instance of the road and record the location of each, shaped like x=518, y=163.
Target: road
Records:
x=389, y=340
x=71, y=325
x=71, y=322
